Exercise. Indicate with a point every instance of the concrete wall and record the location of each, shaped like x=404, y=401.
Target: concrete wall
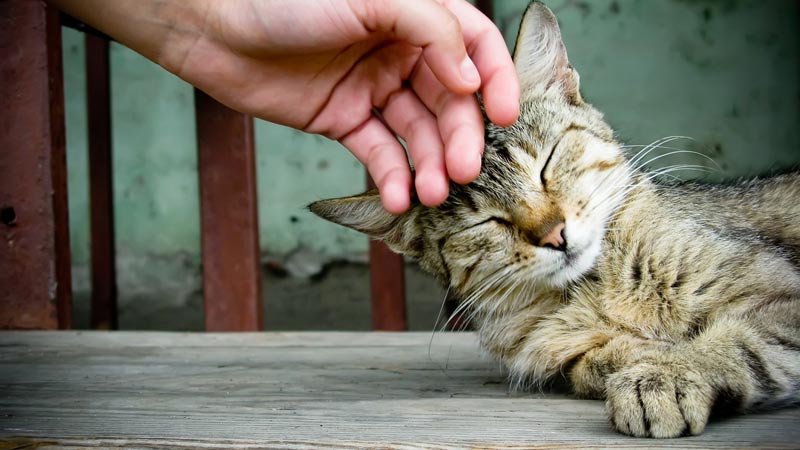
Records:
x=723, y=72
x=155, y=167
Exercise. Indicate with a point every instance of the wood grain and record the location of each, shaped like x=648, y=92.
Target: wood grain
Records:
x=299, y=391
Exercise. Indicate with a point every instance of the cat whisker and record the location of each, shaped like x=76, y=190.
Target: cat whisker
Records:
x=668, y=170
x=652, y=146
x=622, y=198
x=677, y=152
x=647, y=176
x=621, y=189
x=438, y=317
x=646, y=148
x=521, y=286
x=605, y=178
x=478, y=292
x=499, y=301
x=433, y=333
x=629, y=195
x=662, y=147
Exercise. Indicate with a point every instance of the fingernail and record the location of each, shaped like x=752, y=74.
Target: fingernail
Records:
x=469, y=72
x=477, y=162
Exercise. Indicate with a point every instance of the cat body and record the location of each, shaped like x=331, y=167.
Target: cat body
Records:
x=667, y=300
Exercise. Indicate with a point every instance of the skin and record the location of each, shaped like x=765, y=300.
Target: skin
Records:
x=362, y=72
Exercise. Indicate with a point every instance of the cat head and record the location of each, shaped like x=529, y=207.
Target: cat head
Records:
x=547, y=188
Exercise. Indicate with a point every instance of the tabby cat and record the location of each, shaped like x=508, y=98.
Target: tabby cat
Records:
x=667, y=300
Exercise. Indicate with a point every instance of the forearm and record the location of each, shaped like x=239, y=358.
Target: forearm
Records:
x=161, y=30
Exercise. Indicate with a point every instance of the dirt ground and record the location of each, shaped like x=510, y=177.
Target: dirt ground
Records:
x=337, y=298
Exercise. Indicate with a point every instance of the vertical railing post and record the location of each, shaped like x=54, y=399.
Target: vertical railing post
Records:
x=486, y=7
x=34, y=227
x=229, y=217
x=387, y=285
x=98, y=100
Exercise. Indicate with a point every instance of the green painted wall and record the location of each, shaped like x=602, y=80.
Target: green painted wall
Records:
x=724, y=72
x=155, y=167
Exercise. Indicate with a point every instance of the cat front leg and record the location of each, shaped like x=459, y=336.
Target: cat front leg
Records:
x=734, y=363
x=645, y=397
x=588, y=373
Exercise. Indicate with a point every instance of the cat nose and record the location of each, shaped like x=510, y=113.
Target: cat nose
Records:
x=555, y=238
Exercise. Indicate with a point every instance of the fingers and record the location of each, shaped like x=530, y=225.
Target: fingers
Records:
x=463, y=48
x=500, y=84
x=440, y=119
x=431, y=26
x=368, y=84
x=446, y=32
x=378, y=149
x=412, y=121
x=459, y=122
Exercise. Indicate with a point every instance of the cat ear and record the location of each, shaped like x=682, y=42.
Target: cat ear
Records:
x=540, y=56
x=365, y=213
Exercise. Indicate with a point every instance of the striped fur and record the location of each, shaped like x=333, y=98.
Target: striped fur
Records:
x=669, y=301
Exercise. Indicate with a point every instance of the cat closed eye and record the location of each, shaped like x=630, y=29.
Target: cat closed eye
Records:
x=502, y=221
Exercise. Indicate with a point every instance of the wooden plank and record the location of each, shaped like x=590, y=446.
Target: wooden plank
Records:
x=34, y=227
x=387, y=285
x=104, y=267
x=229, y=217
x=302, y=391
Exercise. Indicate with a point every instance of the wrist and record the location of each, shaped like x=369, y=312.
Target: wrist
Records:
x=182, y=26
x=163, y=31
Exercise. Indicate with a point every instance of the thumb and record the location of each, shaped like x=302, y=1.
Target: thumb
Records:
x=430, y=25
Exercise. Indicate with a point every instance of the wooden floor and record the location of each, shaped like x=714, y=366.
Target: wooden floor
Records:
x=301, y=390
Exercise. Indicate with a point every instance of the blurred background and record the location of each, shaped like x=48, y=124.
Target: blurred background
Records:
x=723, y=72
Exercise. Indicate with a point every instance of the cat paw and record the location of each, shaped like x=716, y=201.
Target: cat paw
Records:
x=660, y=401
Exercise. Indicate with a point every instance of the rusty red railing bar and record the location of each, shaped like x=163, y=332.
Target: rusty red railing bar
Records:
x=486, y=7
x=387, y=285
x=229, y=217
x=34, y=227
x=103, y=265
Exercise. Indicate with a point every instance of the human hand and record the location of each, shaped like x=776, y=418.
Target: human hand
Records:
x=358, y=71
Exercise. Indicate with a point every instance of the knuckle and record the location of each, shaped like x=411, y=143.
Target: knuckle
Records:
x=416, y=126
x=450, y=28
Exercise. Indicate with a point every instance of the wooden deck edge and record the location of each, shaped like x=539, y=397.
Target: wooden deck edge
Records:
x=192, y=444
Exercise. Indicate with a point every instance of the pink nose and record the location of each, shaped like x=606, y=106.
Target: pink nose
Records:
x=555, y=238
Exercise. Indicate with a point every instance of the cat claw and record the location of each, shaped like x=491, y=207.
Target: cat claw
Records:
x=649, y=400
